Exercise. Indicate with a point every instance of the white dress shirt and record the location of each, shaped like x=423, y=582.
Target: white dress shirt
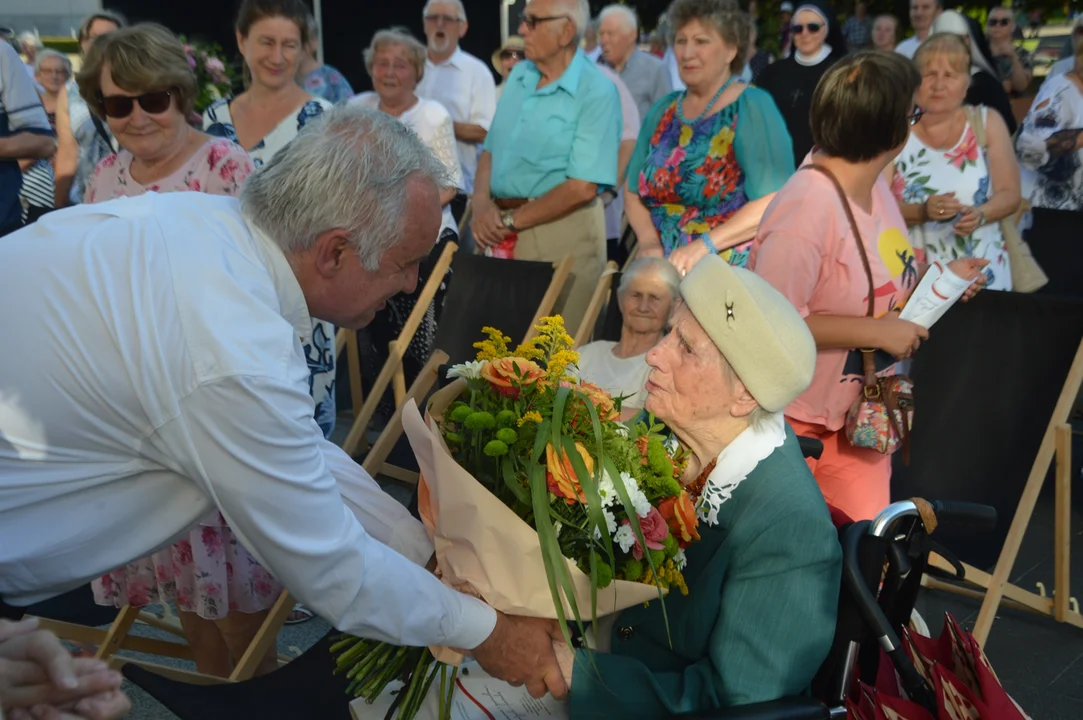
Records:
x=909, y=46
x=158, y=374
x=465, y=86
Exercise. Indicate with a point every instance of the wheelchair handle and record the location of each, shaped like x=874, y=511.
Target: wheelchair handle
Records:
x=965, y=516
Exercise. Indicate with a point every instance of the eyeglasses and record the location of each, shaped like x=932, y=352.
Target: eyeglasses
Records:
x=813, y=28
x=121, y=106
x=445, y=19
x=915, y=116
x=1000, y=22
x=531, y=21
x=511, y=54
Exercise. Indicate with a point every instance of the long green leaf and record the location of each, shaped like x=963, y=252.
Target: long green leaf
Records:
x=507, y=469
x=548, y=541
x=595, y=499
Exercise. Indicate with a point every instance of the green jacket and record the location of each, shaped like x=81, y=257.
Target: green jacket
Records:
x=759, y=617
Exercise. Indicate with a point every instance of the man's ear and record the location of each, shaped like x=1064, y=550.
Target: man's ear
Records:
x=332, y=251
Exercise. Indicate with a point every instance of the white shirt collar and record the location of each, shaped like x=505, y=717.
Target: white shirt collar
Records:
x=736, y=461
x=450, y=62
x=292, y=299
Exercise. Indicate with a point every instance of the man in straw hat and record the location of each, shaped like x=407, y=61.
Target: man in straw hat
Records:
x=763, y=579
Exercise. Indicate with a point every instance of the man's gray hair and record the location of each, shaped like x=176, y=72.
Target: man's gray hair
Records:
x=579, y=12
x=29, y=36
x=47, y=53
x=348, y=169
x=456, y=3
x=659, y=266
x=627, y=14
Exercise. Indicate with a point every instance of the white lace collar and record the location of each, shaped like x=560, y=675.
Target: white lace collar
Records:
x=735, y=462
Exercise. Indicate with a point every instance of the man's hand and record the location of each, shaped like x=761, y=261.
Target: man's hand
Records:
x=39, y=675
x=520, y=652
x=487, y=226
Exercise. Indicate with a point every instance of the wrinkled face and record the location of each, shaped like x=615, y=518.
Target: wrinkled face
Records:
x=702, y=55
x=393, y=75
x=1001, y=24
x=443, y=27
x=272, y=51
x=99, y=27
x=883, y=34
x=922, y=14
x=686, y=386
x=52, y=73
x=617, y=39
x=645, y=303
x=351, y=298
x=553, y=29
x=944, y=82
x=145, y=135
x=809, y=32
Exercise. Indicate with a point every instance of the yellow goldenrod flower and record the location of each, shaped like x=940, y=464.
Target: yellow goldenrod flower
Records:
x=532, y=416
x=495, y=347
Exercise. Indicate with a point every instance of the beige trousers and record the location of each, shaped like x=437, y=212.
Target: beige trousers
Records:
x=580, y=234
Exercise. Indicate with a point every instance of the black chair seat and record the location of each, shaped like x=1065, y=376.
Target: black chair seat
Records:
x=305, y=688
x=797, y=708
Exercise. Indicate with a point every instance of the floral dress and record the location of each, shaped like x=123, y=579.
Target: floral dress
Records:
x=693, y=177
x=329, y=84
x=320, y=349
x=208, y=572
x=922, y=171
x=1052, y=182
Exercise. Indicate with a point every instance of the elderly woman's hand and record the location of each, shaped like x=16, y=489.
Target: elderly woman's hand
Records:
x=686, y=256
x=941, y=208
x=970, y=219
x=970, y=269
x=901, y=338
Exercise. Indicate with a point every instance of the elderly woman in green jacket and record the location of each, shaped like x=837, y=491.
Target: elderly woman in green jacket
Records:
x=764, y=579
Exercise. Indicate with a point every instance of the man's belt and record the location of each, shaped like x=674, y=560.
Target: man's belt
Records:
x=510, y=203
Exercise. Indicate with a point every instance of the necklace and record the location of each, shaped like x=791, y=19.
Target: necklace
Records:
x=695, y=488
x=707, y=107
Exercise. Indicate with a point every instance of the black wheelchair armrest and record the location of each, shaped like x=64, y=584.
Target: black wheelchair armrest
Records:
x=792, y=708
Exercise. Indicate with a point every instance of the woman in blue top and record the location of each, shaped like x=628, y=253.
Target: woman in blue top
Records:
x=709, y=158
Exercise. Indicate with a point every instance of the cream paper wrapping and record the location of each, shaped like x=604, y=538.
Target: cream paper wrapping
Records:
x=484, y=548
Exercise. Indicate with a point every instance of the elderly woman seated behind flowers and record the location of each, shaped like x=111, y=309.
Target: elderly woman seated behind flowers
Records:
x=763, y=580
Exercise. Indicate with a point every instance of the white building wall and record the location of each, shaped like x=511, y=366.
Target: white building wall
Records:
x=48, y=17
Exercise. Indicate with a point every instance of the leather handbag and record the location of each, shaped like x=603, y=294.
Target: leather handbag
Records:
x=881, y=417
x=1027, y=274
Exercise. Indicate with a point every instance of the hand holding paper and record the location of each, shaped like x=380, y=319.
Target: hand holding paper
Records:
x=937, y=292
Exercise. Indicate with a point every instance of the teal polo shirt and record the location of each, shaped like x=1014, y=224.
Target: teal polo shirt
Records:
x=568, y=129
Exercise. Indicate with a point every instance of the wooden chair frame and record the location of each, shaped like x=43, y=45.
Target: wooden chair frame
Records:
x=598, y=300
x=375, y=463
x=392, y=374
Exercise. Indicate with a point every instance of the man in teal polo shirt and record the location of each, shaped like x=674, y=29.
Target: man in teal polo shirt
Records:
x=551, y=148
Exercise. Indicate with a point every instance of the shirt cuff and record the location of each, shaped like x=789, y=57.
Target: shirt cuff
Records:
x=473, y=624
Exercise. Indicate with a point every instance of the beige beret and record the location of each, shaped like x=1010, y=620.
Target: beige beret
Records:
x=755, y=327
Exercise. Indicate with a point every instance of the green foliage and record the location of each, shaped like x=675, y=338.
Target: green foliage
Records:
x=495, y=449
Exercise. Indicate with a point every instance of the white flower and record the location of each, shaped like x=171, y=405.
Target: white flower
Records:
x=470, y=370
x=625, y=538
x=621, y=430
x=610, y=523
x=640, y=504
x=607, y=491
x=679, y=560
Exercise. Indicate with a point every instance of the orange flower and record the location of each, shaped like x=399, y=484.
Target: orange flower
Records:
x=560, y=473
x=602, y=401
x=681, y=517
x=508, y=375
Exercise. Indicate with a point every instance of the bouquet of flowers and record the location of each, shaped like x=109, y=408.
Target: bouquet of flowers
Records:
x=214, y=79
x=576, y=508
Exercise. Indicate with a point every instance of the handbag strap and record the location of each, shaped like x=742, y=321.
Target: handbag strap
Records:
x=868, y=361
x=977, y=124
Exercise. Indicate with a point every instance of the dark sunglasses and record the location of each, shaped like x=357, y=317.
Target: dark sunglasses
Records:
x=509, y=54
x=121, y=106
x=1000, y=22
x=915, y=115
x=812, y=28
x=531, y=21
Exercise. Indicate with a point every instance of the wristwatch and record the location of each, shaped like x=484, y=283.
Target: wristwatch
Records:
x=508, y=219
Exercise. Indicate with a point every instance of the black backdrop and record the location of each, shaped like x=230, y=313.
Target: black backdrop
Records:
x=347, y=25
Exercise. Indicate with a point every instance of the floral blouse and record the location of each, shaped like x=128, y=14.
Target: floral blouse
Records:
x=693, y=177
x=329, y=84
x=220, y=167
x=1054, y=180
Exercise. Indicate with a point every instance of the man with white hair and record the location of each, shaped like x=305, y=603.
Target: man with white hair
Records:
x=644, y=74
x=458, y=81
x=163, y=377
x=552, y=148
x=29, y=43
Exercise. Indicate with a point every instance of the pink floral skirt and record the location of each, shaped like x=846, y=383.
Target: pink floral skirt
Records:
x=209, y=573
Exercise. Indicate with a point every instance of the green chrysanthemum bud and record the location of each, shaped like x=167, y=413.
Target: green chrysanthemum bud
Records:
x=460, y=413
x=480, y=421
x=632, y=569
x=453, y=438
x=657, y=458
x=605, y=573
x=506, y=435
x=670, y=487
x=670, y=546
x=657, y=557
x=495, y=448
x=506, y=418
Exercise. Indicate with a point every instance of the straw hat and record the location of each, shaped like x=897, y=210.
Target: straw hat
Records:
x=514, y=42
x=754, y=326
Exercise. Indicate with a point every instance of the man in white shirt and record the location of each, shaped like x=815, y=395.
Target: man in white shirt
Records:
x=922, y=15
x=459, y=81
x=158, y=374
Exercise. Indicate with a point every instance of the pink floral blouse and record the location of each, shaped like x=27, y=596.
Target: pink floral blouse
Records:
x=220, y=167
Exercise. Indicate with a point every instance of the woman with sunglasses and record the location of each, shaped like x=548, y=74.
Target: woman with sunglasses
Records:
x=953, y=192
x=861, y=116
x=817, y=44
x=508, y=56
x=1013, y=62
x=144, y=91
